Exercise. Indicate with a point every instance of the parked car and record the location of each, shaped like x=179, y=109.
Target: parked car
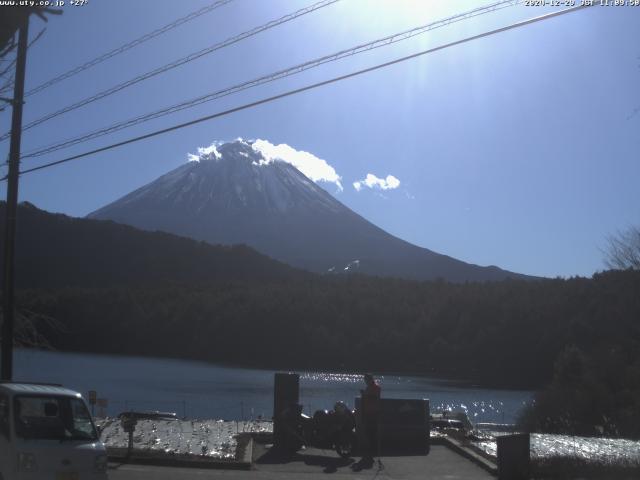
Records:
x=46, y=432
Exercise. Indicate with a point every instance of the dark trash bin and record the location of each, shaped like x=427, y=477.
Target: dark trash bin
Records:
x=514, y=457
x=286, y=395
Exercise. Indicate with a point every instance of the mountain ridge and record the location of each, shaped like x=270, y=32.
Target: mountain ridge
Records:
x=54, y=250
x=234, y=195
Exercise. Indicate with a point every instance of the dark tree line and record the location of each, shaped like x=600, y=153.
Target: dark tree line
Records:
x=55, y=250
x=581, y=337
x=101, y=287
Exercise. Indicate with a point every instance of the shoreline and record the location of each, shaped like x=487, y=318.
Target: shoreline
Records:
x=438, y=377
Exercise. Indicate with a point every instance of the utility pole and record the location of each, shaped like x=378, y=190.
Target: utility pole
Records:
x=8, y=302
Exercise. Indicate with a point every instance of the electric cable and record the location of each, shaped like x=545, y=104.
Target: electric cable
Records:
x=10, y=82
x=381, y=42
x=127, y=46
x=308, y=87
x=174, y=64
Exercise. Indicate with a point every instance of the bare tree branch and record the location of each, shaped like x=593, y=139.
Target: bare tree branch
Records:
x=623, y=250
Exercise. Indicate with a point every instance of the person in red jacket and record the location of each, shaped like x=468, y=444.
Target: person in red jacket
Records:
x=371, y=414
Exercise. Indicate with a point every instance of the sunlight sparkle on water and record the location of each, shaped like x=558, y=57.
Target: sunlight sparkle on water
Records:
x=332, y=377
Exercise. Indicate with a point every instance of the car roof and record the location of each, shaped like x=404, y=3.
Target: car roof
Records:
x=19, y=388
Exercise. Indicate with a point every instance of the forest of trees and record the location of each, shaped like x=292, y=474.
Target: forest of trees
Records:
x=94, y=286
x=582, y=335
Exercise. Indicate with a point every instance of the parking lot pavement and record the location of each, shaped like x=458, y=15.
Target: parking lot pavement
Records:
x=440, y=464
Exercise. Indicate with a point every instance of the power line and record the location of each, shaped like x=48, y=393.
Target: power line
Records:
x=306, y=88
x=388, y=40
x=10, y=82
x=8, y=68
x=128, y=46
x=177, y=63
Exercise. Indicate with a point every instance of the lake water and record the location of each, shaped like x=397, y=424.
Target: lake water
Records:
x=202, y=390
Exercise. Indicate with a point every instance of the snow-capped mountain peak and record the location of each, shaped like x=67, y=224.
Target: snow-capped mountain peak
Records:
x=257, y=194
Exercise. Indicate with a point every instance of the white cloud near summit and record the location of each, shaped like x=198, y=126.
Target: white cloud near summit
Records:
x=313, y=167
x=205, y=152
x=371, y=181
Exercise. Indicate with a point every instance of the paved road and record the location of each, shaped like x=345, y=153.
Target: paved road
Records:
x=440, y=464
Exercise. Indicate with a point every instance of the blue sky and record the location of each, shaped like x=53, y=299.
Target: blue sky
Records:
x=519, y=150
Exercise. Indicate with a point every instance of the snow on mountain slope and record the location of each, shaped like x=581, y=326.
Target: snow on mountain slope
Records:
x=233, y=194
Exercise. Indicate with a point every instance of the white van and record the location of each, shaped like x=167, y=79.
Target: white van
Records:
x=46, y=433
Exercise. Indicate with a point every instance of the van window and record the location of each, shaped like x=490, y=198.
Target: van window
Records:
x=53, y=417
x=4, y=416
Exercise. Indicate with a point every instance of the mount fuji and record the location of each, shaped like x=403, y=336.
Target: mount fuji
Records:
x=234, y=195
